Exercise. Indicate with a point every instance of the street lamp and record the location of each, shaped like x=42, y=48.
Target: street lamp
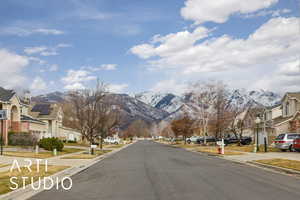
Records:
x=257, y=122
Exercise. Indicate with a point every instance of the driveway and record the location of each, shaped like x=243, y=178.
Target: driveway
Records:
x=150, y=171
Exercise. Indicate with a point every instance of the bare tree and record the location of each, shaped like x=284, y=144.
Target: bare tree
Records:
x=86, y=109
x=203, y=95
x=108, y=118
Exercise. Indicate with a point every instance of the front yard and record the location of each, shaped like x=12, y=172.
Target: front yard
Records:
x=5, y=176
x=284, y=163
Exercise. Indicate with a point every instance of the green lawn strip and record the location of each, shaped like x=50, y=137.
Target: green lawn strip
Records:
x=86, y=155
x=5, y=176
x=284, y=163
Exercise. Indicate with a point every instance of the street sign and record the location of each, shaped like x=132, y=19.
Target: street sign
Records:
x=93, y=146
x=3, y=114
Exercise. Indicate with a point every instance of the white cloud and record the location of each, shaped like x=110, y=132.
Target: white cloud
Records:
x=171, y=86
x=11, y=67
x=277, y=38
x=105, y=67
x=285, y=78
x=274, y=43
x=272, y=13
x=34, y=50
x=76, y=78
x=44, y=50
x=53, y=68
x=117, y=88
x=74, y=86
x=38, y=84
x=219, y=11
x=170, y=44
x=38, y=60
x=22, y=31
x=108, y=67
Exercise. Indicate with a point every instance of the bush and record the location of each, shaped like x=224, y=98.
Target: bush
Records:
x=51, y=143
x=21, y=139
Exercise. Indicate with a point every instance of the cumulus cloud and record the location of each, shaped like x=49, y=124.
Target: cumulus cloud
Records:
x=38, y=84
x=275, y=43
x=11, y=67
x=117, y=88
x=75, y=79
x=277, y=38
x=170, y=44
x=219, y=11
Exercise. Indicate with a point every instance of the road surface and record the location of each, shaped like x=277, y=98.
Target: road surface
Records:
x=152, y=171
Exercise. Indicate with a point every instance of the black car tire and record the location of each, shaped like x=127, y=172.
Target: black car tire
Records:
x=189, y=141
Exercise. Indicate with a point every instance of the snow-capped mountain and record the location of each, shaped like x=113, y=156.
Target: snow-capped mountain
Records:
x=177, y=105
x=154, y=107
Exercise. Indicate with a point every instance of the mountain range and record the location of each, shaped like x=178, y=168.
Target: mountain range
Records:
x=153, y=107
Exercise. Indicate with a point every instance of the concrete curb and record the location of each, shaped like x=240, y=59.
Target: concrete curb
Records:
x=279, y=169
x=28, y=192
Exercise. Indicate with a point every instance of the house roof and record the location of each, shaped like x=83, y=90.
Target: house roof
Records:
x=44, y=111
x=6, y=95
x=294, y=95
x=31, y=119
x=280, y=120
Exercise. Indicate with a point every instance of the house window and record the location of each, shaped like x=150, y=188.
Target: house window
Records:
x=287, y=108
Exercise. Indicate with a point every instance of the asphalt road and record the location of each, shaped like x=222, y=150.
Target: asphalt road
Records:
x=152, y=171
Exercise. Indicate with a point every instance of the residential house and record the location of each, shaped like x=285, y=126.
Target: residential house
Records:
x=18, y=119
x=41, y=120
x=289, y=121
x=52, y=115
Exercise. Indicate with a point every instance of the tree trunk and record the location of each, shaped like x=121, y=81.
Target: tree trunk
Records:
x=101, y=143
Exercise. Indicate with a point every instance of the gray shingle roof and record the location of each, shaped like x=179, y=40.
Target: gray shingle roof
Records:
x=28, y=118
x=6, y=95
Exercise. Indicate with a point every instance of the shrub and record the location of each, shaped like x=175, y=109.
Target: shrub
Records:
x=21, y=139
x=51, y=143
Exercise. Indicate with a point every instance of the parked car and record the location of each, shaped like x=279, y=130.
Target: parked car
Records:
x=296, y=144
x=232, y=139
x=192, y=139
x=285, y=141
x=207, y=138
x=112, y=140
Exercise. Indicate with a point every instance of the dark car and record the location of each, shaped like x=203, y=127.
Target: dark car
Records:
x=232, y=139
x=207, y=138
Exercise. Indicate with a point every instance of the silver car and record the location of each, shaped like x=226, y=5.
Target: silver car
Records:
x=285, y=141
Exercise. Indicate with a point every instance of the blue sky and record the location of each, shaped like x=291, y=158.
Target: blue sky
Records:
x=139, y=45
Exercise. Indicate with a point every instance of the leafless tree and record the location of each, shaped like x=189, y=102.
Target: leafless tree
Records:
x=94, y=115
x=203, y=95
